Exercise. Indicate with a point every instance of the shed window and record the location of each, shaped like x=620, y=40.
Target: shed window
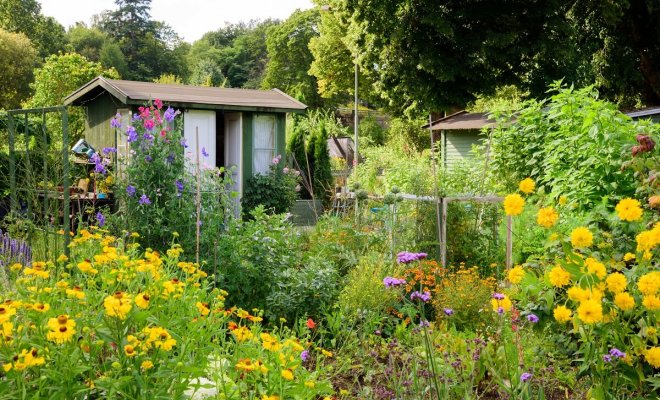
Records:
x=263, y=148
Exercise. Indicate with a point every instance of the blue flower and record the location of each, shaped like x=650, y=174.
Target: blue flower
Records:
x=525, y=376
x=617, y=353
x=130, y=190
x=179, y=187
x=100, y=219
x=204, y=153
x=116, y=121
x=184, y=143
x=144, y=200
x=304, y=355
x=148, y=158
x=170, y=114
x=448, y=311
x=132, y=134
x=532, y=318
x=393, y=282
x=108, y=150
x=405, y=257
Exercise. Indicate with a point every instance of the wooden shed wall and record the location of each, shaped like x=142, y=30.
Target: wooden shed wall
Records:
x=458, y=145
x=98, y=131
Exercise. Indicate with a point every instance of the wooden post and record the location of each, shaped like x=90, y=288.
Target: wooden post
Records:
x=509, y=242
x=443, y=233
x=199, y=197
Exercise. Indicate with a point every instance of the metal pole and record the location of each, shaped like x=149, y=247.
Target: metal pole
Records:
x=45, y=171
x=65, y=180
x=355, y=127
x=12, y=164
x=441, y=239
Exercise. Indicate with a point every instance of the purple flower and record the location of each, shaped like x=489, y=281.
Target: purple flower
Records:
x=148, y=158
x=136, y=117
x=424, y=323
x=108, y=150
x=100, y=219
x=276, y=160
x=204, y=153
x=607, y=358
x=617, y=353
x=532, y=318
x=170, y=158
x=500, y=310
x=498, y=296
x=144, y=200
x=525, y=376
x=390, y=282
x=448, y=311
x=148, y=136
x=304, y=355
x=179, y=187
x=406, y=257
x=130, y=190
x=184, y=143
x=132, y=134
x=170, y=114
x=116, y=121
x=426, y=296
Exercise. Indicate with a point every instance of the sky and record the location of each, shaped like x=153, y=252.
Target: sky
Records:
x=189, y=18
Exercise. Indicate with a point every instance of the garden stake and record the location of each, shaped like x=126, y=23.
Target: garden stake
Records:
x=198, y=197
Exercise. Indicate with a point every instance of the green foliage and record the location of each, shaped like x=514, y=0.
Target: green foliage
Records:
x=322, y=170
x=570, y=144
x=369, y=129
x=60, y=76
x=289, y=57
x=364, y=296
x=207, y=73
x=24, y=16
x=17, y=60
x=275, y=191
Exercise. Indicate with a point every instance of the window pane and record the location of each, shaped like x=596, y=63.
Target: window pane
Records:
x=264, y=132
x=261, y=161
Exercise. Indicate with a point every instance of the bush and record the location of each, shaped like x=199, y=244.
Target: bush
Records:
x=275, y=191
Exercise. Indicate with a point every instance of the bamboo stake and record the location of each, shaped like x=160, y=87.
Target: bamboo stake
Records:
x=198, y=196
x=441, y=239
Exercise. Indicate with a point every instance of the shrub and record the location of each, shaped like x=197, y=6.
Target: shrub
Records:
x=275, y=191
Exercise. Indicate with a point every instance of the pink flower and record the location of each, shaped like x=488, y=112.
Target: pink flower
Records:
x=285, y=170
x=158, y=103
x=297, y=188
x=149, y=124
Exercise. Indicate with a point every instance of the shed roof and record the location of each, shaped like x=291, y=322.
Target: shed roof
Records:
x=137, y=93
x=461, y=120
x=646, y=112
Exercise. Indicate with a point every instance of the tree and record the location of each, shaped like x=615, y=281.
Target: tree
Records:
x=24, y=16
x=87, y=42
x=289, y=57
x=17, y=61
x=207, y=73
x=60, y=76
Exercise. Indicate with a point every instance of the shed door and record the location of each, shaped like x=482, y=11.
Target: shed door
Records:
x=234, y=149
x=200, y=124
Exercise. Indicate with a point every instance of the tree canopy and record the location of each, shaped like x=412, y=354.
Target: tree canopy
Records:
x=17, y=60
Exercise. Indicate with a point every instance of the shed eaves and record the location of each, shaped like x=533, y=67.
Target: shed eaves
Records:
x=132, y=92
x=461, y=120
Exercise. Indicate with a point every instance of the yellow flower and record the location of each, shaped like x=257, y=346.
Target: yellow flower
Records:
x=527, y=185
x=562, y=314
x=590, y=312
x=40, y=307
x=628, y=257
x=6, y=312
x=242, y=334
x=61, y=329
x=652, y=356
x=513, y=204
x=16, y=267
x=559, y=277
x=595, y=267
x=581, y=237
x=38, y=269
x=547, y=217
x=270, y=342
x=246, y=364
x=651, y=331
x=62, y=258
x=75, y=292
x=516, y=274
x=159, y=338
x=629, y=210
x=563, y=200
x=647, y=240
x=326, y=353
x=118, y=305
x=146, y=365
x=652, y=302
x=86, y=267
x=203, y=308
x=616, y=282
x=287, y=374
x=142, y=300
x=624, y=301
x=273, y=397
x=505, y=304
x=310, y=384
x=130, y=350
x=649, y=283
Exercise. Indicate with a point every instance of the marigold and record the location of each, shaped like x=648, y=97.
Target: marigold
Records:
x=40, y=307
x=581, y=237
x=547, y=217
x=86, y=267
x=651, y=302
x=516, y=274
x=616, y=282
x=624, y=301
x=559, y=277
x=246, y=364
x=629, y=210
x=590, y=312
x=527, y=185
x=513, y=204
x=130, y=350
x=649, y=283
x=652, y=356
x=562, y=313
x=273, y=397
x=595, y=267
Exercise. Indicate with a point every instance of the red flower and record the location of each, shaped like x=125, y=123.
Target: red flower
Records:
x=310, y=323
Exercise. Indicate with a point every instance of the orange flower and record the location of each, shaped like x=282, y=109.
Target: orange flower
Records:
x=310, y=323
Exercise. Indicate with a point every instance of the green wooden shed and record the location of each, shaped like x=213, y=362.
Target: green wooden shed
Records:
x=238, y=128
x=457, y=133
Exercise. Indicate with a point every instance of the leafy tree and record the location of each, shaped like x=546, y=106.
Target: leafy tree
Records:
x=60, y=76
x=322, y=169
x=17, y=61
x=112, y=57
x=24, y=16
x=290, y=57
x=87, y=42
x=169, y=79
x=207, y=73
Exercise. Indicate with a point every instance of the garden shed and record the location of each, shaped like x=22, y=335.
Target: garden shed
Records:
x=457, y=133
x=236, y=127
